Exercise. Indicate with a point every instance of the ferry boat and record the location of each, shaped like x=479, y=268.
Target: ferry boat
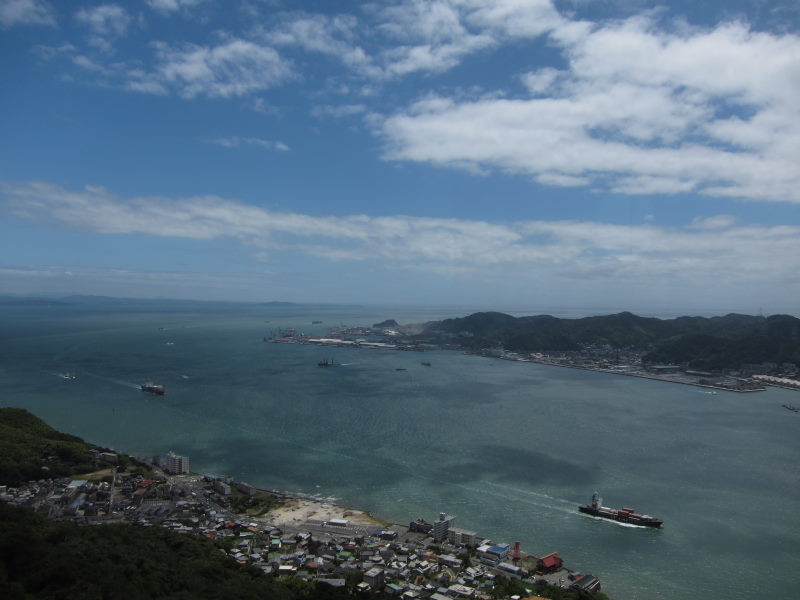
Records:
x=152, y=388
x=622, y=515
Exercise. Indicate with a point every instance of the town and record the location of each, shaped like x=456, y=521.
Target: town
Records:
x=276, y=533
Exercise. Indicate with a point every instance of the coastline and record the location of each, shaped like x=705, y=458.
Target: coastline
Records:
x=643, y=376
x=298, y=509
x=735, y=384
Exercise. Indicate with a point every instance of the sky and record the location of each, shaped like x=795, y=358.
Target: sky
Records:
x=613, y=154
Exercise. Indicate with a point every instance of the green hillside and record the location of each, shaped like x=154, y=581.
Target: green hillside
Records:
x=717, y=342
x=31, y=449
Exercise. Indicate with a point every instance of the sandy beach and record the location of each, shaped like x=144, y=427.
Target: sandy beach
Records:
x=296, y=511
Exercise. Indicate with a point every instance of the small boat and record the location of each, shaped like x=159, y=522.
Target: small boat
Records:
x=427, y=364
x=400, y=369
x=326, y=363
x=152, y=388
x=69, y=376
x=790, y=407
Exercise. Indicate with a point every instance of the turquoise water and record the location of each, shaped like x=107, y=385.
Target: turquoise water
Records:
x=509, y=448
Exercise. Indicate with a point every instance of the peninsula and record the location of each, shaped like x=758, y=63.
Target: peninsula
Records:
x=740, y=353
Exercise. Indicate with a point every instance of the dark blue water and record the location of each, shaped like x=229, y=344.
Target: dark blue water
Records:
x=509, y=448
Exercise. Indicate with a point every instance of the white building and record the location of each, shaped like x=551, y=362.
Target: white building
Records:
x=175, y=464
x=441, y=526
x=462, y=537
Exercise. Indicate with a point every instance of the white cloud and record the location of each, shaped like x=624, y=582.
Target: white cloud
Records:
x=706, y=248
x=46, y=52
x=344, y=110
x=562, y=180
x=540, y=81
x=26, y=12
x=638, y=109
x=715, y=222
x=436, y=35
x=332, y=36
x=431, y=36
x=105, y=20
x=171, y=6
x=90, y=65
x=237, y=141
x=233, y=68
x=648, y=184
x=517, y=18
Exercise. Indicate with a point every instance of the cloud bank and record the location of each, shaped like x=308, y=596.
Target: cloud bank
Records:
x=637, y=110
x=704, y=249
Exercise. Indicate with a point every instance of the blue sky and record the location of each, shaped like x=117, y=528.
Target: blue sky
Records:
x=515, y=153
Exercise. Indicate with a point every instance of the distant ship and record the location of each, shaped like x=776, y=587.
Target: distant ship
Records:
x=152, y=388
x=326, y=363
x=427, y=364
x=623, y=515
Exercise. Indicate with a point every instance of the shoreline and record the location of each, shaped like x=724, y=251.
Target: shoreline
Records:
x=644, y=376
x=298, y=509
x=294, y=338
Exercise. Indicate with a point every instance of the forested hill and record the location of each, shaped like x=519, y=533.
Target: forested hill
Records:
x=31, y=449
x=715, y=342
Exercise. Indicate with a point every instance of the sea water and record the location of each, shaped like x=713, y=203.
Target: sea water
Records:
x=509, y=448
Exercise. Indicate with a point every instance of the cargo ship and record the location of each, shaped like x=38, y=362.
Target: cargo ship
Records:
x=152, y=388
x=623, y=515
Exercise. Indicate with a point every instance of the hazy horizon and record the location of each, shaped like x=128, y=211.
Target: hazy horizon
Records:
x=567, y=311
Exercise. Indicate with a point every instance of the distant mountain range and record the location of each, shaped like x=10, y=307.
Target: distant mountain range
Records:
x=699, y=342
